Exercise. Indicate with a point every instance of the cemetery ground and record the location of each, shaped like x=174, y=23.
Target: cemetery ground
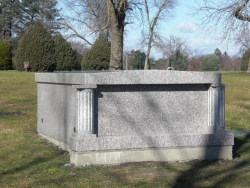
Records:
x=27, y=160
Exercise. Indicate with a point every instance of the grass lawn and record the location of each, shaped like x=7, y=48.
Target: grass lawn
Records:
x=237, y=100
x=27, y=160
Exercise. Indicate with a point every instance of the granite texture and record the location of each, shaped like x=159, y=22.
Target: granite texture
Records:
x=151, y=109
x=117, y=110
x=130, y=77
x=56, y=111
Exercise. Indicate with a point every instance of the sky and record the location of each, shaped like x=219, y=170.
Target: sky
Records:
x=185, y=26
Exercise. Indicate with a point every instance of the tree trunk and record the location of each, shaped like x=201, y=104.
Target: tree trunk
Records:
x=248, y=69
x=116, y=46
x=117, y=10
x=238, y=14
x=151, y=26
x=146, y=65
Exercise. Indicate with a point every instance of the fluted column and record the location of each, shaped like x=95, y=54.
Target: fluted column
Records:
x=213, y=106
x=216, y=106
x=85, y=109
x=85, y=103
x=222, y=105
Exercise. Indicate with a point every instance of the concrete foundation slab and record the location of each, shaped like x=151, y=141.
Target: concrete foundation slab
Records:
x=150, y=154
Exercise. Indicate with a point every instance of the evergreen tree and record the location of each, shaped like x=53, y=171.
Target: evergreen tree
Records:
x=98, y=57
x=66, y=57
x=36, y=47
x=139, y=60
x=245, y=60
x=78, y=61
x=130, y=55
x=225, y=59
x=218, y=53
x=9, y=22
x=5, y=56
x=16, y=15
x=210, y=63
x=178, y=61
x=8, y=13
x=45, y=11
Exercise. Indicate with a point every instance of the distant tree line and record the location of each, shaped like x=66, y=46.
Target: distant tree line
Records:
x=44, y=51
x=30, y=36
x=179, y=60
x=30, y=29
x=17, y=15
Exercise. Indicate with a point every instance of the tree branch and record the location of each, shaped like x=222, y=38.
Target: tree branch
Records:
x=238, y=14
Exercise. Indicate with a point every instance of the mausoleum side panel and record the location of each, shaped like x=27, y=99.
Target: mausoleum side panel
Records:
x=56, y=111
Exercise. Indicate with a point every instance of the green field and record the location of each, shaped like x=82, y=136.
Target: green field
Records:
x=237, y=100
x=27, y=160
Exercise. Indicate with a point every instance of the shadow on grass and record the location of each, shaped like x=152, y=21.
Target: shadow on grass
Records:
x=238, y=148
x=36, y=162
x=199, y=174
x=222, y=172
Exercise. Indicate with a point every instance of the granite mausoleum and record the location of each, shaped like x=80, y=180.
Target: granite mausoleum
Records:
x=112, y=117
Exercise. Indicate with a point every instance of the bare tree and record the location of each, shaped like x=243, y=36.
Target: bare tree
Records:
x=173, y=45
x=170, y=45
x=229, y=18
x=243, y=41
x=162, y=10
x=232, y=64
x=84, y=18
x=78, y=46
x=195, y=60
x=101, y=17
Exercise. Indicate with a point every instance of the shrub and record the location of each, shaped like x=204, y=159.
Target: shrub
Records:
x=178, y=61
x=139, y=61
x=98, y=57
x=36, y=47
x=5, y=56
x=245, y=60
x=217, y=52
x=66, y=57
x=78, y=60
x=210, y=63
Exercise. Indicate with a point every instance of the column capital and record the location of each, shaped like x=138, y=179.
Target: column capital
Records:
x=219, y=86
x=84, y=86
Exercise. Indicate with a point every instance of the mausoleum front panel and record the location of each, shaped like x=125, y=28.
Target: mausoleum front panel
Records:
x=152, y=109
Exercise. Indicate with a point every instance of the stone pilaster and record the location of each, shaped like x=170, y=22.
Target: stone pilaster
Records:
x=222, y=106
x=84, y=115
x=216, y=106
x=85, y=112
